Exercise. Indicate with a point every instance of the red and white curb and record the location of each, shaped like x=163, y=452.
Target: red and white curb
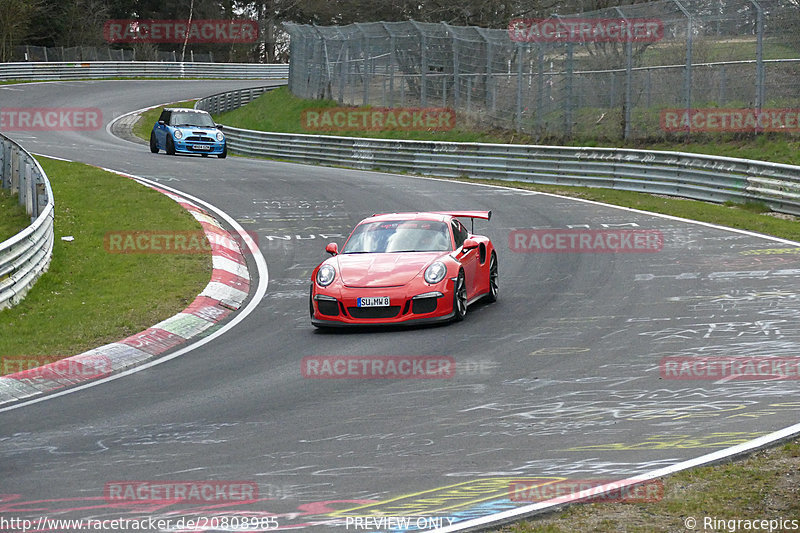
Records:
x=225, y=293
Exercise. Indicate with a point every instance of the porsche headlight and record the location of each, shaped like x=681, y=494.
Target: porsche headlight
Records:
x=325, y=275
x=177, y=134
x=220, y=136
x=436, y=272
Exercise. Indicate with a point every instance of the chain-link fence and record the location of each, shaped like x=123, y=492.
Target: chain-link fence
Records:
x=607, y=74
x=104, y=53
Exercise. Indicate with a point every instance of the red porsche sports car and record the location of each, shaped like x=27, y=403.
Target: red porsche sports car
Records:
x=404, y=268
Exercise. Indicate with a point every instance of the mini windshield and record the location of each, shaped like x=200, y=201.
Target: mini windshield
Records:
x=190, y=118
x=399, y=236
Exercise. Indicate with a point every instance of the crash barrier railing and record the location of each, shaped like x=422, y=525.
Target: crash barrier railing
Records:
x=219, y=103
x=140, y=69
x=697, y=176
x=25, y=256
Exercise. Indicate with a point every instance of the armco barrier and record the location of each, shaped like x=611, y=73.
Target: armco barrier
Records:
x=696, y=176
x=26, y=255
x=219, y=103
x=140, y=69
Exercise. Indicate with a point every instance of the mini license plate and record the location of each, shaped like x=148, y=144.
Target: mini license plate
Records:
x=375, y=301
x=201, y=147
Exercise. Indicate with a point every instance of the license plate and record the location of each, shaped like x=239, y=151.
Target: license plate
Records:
x=201, y=147
x=375, y=301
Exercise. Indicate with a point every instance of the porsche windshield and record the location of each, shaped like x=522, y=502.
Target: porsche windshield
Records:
x=189, y=118
x=399, y=236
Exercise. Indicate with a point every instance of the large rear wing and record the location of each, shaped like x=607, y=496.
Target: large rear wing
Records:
x=485, y=215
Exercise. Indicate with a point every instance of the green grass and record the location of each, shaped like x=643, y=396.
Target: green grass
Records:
x=144, y=125
x=749, y=216
x=280, y=111
x=90, y=297
x=762, y=486
x=13, y=218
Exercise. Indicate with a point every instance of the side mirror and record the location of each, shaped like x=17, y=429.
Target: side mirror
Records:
x=469, y=244
x=218, y=126
x=161, y=122
x=332, y=248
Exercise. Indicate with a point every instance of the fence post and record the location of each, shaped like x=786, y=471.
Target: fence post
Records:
x=456, y=67
x=344, y=70
x=519, y=87
x=626, y=134
x=568, y=100
x=424, y=67
x=392, y=65
x=760, y=87
x=687, y=79
x=491, y=84
x=539, y=88
x=365, y=62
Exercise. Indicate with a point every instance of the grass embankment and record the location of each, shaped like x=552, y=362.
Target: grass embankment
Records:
x=763, y=486
x=13, y=218
x=280, y=111
x=89, y=296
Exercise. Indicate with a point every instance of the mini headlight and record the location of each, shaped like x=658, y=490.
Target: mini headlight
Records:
x=325, y=275
x=178, y=134
x=435, y=272
x=220, y=136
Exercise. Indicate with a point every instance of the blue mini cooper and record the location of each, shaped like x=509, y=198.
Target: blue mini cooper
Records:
x=187, y=131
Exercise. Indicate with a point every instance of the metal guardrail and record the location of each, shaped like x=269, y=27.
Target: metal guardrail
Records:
x=700, y=177
x=25, y=256
x=140, y=69
x=219, y=103
x=697, y=176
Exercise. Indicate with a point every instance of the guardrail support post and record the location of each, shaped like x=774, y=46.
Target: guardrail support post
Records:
x=5, y=164
x=30, y=201
x=14, y=172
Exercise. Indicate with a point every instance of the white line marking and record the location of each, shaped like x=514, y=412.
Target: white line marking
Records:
x=263, y=280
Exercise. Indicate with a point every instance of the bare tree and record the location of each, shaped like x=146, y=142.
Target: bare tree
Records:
x=82, y=22
x=15, y=20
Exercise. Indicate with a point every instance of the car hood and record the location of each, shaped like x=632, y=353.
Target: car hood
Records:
x=383, y=270
x=209, y=131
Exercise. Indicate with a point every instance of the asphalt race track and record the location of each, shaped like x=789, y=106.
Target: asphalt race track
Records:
x=559, y=379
